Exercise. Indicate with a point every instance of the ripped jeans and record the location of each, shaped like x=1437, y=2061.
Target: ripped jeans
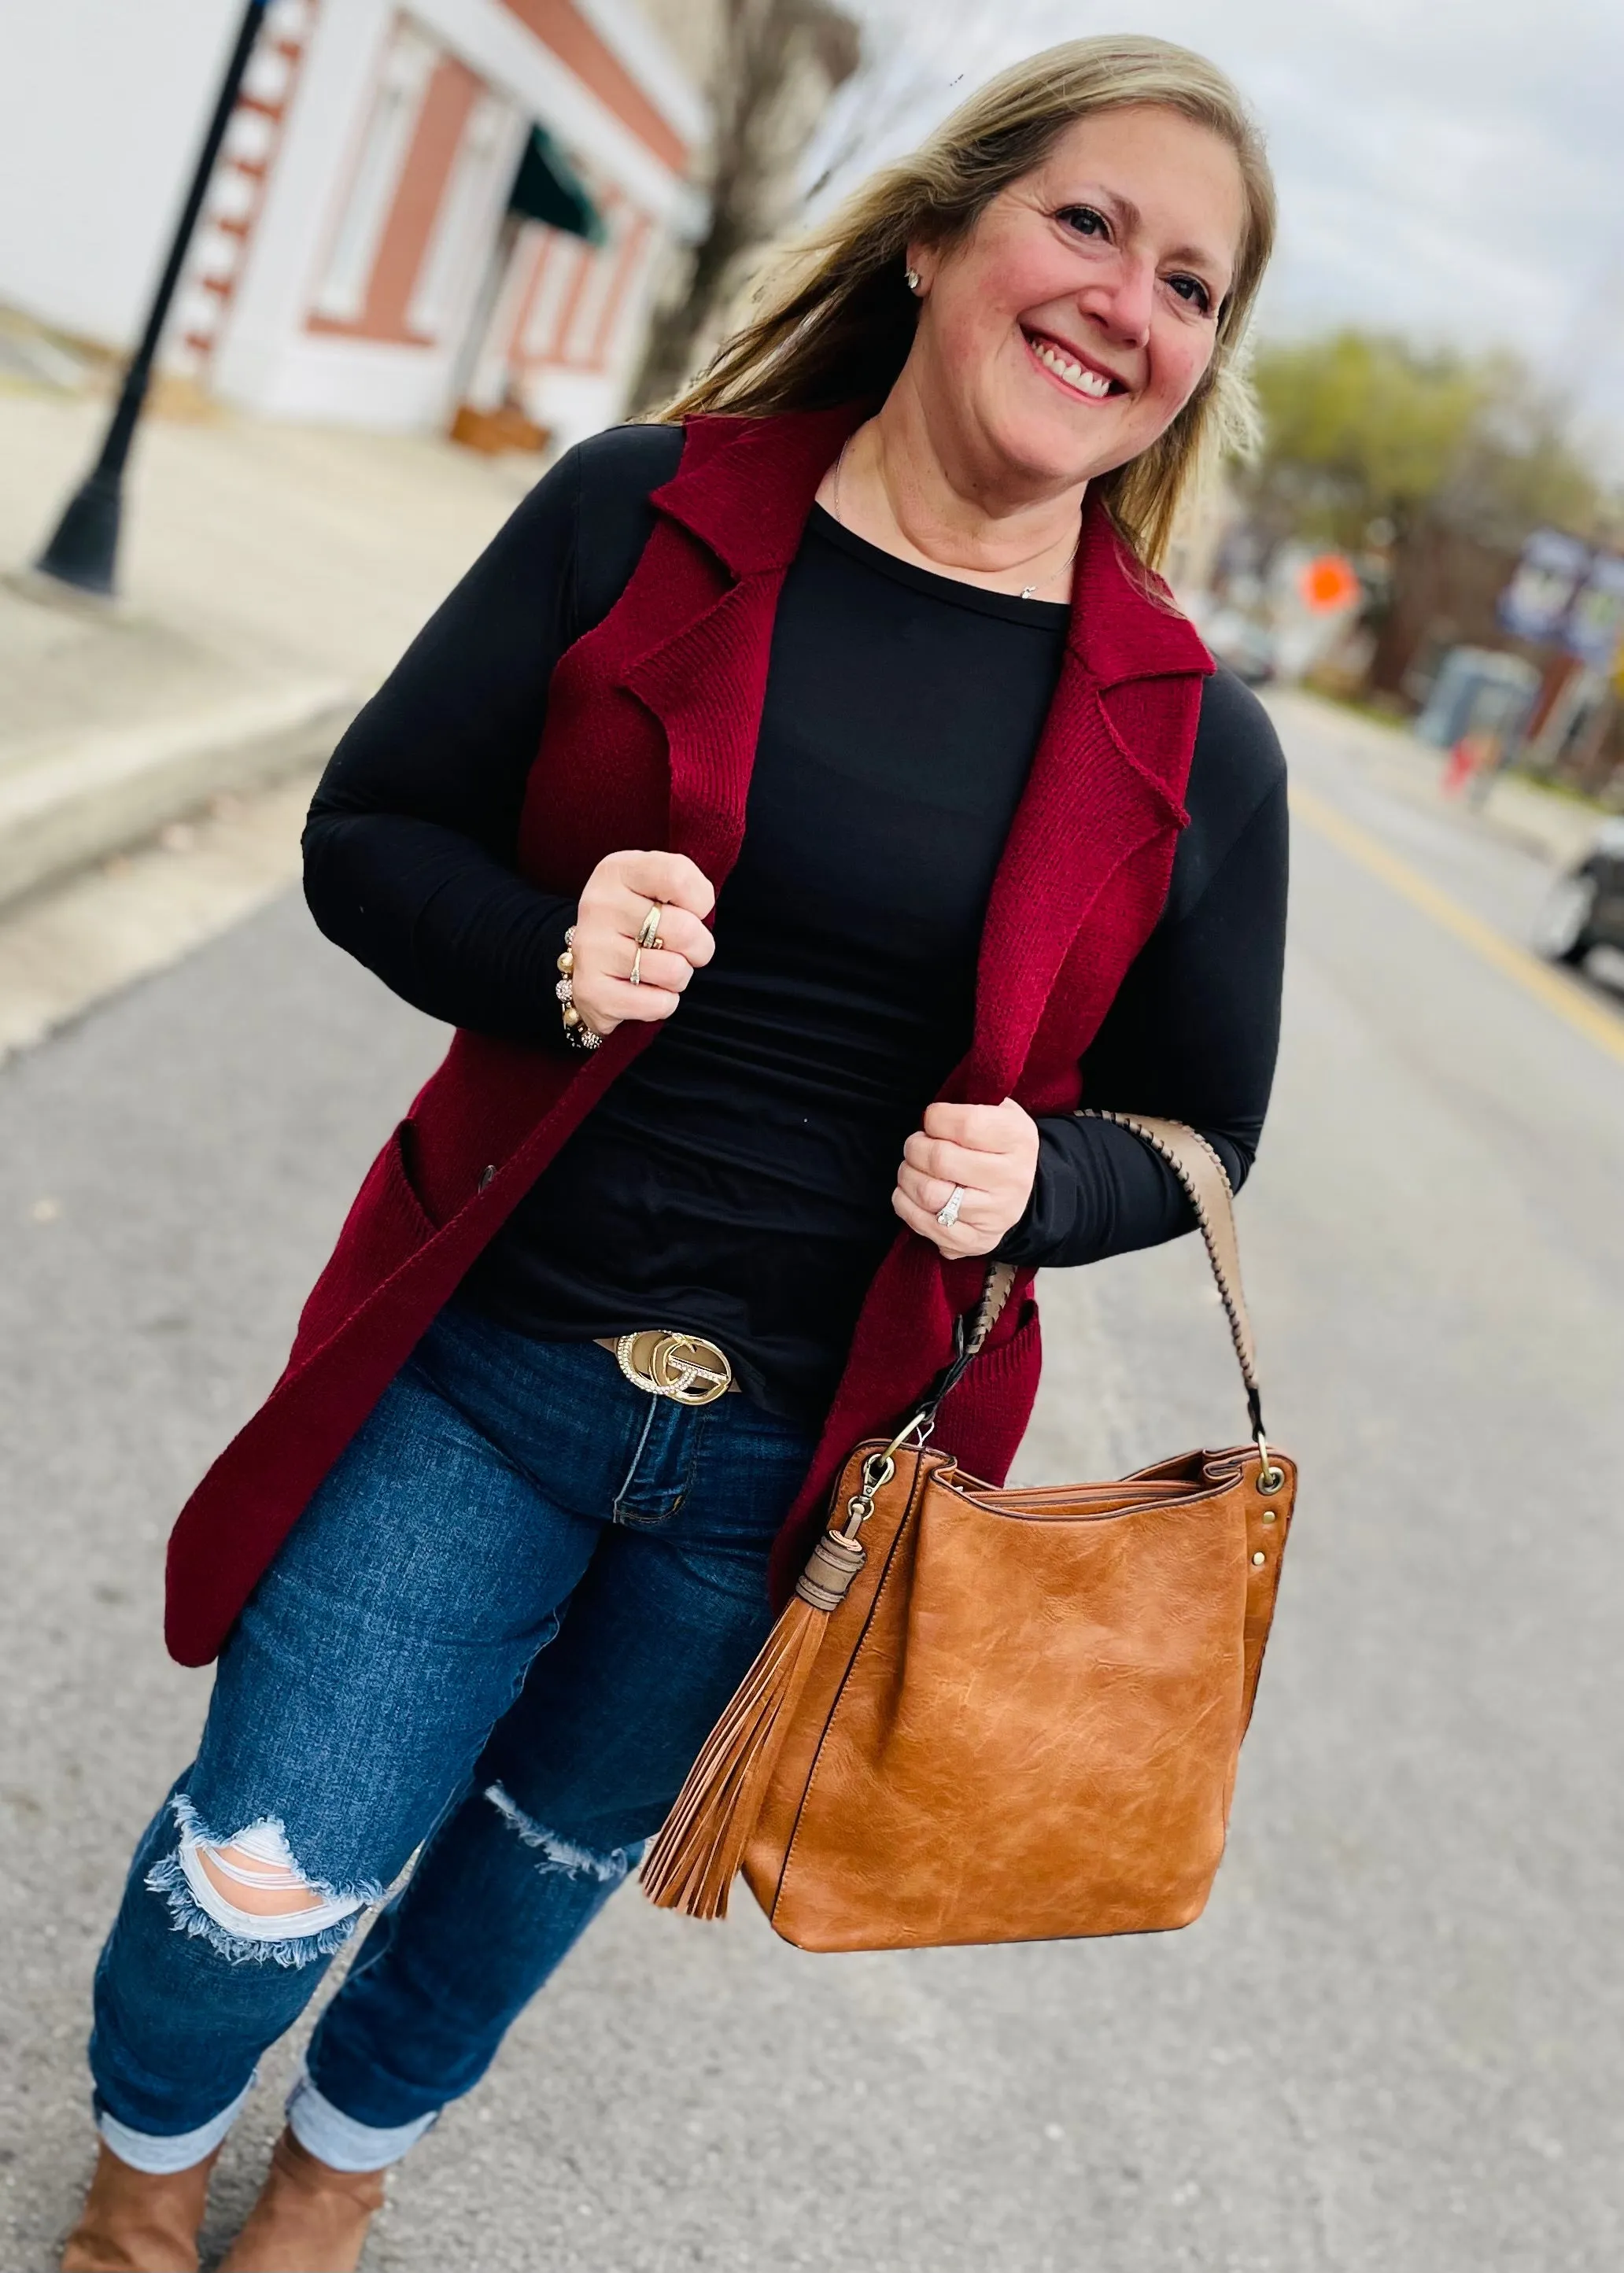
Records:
x=500, y=1633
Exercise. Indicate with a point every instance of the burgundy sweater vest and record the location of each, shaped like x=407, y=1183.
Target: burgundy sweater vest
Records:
x=651, y=727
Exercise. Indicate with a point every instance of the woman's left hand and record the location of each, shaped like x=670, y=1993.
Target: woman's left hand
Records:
x=991, y=1151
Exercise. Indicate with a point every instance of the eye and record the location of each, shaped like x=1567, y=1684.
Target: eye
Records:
x=1085, y=219
x=1190, y=289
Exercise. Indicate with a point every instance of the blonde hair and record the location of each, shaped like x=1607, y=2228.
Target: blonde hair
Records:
x=834, y=323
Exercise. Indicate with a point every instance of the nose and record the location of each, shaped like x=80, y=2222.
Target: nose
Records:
x=1121, y=304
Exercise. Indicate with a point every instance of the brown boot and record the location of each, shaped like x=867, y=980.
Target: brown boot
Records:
x=310, y=2219
x=134, y=2222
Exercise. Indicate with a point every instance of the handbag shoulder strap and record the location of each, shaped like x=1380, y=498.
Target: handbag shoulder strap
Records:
x=1207, y=1187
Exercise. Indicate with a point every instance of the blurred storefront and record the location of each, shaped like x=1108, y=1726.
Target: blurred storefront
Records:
x=460, y=206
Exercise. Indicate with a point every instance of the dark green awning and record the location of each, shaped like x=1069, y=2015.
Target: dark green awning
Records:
x=548, y=187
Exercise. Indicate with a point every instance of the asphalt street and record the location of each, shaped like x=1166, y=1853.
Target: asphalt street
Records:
x=1395, y=2042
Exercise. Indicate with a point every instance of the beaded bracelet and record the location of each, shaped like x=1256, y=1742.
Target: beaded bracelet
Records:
x=579, y=1035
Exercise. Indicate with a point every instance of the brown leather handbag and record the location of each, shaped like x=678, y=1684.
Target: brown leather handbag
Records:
x=992, y=1716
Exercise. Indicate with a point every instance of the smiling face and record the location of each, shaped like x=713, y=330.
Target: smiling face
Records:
x=1072, y=326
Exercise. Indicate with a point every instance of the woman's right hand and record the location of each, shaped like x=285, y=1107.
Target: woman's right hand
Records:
x=613, y=904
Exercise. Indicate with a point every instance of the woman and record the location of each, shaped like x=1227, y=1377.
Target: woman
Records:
x=954, y=827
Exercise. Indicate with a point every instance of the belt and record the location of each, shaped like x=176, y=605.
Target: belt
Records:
x=686, y=1368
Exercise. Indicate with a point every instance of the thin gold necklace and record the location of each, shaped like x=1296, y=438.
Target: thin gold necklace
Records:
x=1027, y=591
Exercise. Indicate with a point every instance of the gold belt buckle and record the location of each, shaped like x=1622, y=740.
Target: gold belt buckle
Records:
x=683, y=1367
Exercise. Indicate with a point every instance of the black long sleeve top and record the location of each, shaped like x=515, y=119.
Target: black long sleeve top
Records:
x=736, y=1182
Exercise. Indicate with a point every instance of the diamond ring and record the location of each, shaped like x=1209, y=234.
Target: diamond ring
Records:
x=948, y=1216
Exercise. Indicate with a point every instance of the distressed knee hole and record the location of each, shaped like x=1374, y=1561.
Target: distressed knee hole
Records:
x=247, y=1896
x=255, y=1874
x=555, y=1853
x=253, y=1888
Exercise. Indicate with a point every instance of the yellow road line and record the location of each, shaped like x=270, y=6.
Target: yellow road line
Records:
x=1558, y=992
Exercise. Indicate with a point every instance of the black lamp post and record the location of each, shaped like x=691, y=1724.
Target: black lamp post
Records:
x=84, y=550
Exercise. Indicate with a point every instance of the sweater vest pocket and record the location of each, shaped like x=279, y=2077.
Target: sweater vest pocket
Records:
x=387, y=1225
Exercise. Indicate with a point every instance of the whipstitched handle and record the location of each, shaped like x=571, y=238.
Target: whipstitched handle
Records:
x=1207, y=1187
x=997, y=1292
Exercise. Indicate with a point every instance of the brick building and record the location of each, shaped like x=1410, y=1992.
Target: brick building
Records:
x=457, y=201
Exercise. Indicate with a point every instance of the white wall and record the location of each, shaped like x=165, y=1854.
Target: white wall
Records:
x=103, y=104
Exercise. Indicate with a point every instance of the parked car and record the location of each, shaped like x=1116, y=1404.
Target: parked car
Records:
x=1585, y=908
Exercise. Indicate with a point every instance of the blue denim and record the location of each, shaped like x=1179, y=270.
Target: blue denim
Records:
x=499, y=1632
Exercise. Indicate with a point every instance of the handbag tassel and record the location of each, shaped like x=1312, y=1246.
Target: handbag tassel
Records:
x=692, y=1864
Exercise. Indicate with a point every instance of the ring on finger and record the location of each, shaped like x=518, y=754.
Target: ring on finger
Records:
x=947, y=1214
x=635, y=977
x=648, y=935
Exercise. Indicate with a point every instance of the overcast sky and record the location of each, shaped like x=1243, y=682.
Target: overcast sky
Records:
x=1451, y=169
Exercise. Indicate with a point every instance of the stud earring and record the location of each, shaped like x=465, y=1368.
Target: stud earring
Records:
x=912, y=279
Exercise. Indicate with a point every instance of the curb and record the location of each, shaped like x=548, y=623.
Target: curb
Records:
x=69, y=805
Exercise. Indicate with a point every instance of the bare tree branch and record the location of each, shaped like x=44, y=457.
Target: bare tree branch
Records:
x=778, y=63
x=912, y=76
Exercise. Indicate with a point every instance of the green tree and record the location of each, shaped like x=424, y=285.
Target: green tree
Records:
x=1360, y=428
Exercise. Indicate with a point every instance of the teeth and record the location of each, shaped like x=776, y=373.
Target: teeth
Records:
x=1085, y=382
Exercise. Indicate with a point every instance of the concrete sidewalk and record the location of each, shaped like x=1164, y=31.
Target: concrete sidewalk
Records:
x=1559, y=830
x=270, y=576
x=110, y=725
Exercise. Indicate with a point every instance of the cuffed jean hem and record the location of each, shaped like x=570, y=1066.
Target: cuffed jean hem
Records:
x=159, y=2157
x=340, y=2142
